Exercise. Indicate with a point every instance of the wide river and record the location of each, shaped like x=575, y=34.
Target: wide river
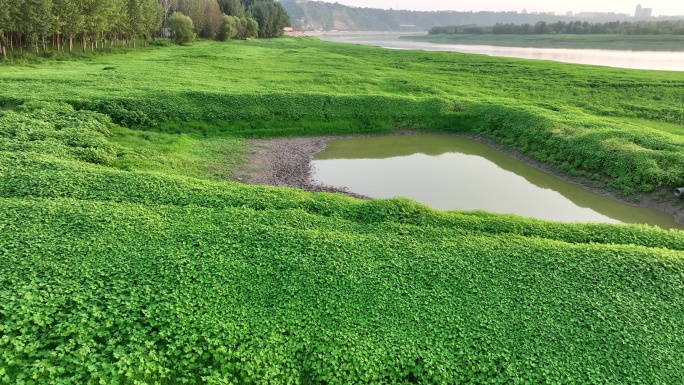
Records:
x=650, y=60
x=449, y=172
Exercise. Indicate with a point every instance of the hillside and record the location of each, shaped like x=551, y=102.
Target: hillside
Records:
x=127, y=257
x=322, y=16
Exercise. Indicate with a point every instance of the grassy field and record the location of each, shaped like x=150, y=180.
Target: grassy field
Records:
x=616, y=42
x=126, y=258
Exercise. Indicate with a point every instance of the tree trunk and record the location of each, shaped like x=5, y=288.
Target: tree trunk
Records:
x=71, y=46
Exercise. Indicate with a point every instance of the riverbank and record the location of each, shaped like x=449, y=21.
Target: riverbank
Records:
x=608, y=42
x=287, y=162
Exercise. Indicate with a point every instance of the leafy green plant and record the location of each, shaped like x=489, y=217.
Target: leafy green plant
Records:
x=181, y=28
x=123, y=259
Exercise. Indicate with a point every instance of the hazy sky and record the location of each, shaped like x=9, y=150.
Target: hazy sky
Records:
x=660, y=7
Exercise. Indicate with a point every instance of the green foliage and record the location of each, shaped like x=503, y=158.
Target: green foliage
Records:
x=125, y=259
x=570, y=27
x=177, y=154
x=606, y=124
x=232, y=7
x=118, y=277
x=270, y=16
x=228, y=28
x=181, y=28
x=45, y=127
x=56, y=23
x=251, y=28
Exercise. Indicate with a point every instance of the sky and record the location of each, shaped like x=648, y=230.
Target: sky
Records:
x=660, y=7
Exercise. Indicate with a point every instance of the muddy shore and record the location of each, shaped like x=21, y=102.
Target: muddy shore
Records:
x=286, y=162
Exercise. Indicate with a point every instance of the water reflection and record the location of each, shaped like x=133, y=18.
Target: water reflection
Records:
x=653, y=60
x=449, y=172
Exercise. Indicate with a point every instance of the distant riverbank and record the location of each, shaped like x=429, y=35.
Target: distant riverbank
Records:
x=610, y=42
x=626, y=57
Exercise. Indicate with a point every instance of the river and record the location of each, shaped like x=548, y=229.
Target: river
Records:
x=650, y=60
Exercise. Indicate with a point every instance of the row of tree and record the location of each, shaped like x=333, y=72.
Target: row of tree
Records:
x=39, y=23
x=58, y=24
x=572, y=27
x=250, y=18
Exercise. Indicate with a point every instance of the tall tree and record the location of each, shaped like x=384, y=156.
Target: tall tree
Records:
x=69, y=21
x=232, y=7
x=270, y=15
x=168, y=7
x=212, y=19
x=4, y=26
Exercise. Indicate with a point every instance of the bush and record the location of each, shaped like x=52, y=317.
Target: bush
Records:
x=181, y=28
x=228, y=28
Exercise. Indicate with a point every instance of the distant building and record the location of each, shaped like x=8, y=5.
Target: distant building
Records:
x=643, y=12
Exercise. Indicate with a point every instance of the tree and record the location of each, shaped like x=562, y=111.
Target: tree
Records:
x=228, y=28
x=182, y=28
x=69, y=21
x=194, y=9
x=232, y=7
x=4, y=24
x=167, y=7
x=252, y=28
x=212, y=19
x=271, y=17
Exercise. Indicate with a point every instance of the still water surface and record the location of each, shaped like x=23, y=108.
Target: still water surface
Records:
x=449, y=172
x=653, y=60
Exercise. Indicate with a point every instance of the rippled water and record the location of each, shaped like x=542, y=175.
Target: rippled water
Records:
x=449, y=172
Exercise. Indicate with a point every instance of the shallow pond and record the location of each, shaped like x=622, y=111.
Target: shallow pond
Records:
x=450, y=172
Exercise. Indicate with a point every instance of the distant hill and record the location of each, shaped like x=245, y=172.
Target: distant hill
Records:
x=319, y=16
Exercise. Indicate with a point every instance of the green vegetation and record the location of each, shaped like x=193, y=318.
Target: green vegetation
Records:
x=124, y=259
x=46, y=27
x=177, y=154
x=557, y=113
x=181, y=28
x=615, y=42
x=326, y=16
x=576, y=27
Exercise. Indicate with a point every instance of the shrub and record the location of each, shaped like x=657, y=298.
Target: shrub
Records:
x=228, y=28
x=181, y=28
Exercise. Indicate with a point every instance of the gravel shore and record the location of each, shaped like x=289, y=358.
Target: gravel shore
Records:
x=286, y=162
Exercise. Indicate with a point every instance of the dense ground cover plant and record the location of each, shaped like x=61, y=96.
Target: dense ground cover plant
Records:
x=128, y=277
x=307, y=87
x=116, y=275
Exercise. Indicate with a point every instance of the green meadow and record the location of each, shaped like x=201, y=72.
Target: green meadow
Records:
x=127, y=254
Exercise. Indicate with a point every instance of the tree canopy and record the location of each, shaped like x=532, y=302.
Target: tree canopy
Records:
x=37, y=24
x=572, y=27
